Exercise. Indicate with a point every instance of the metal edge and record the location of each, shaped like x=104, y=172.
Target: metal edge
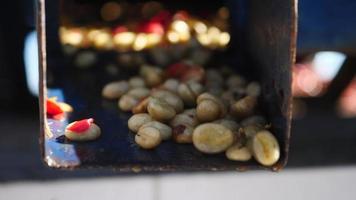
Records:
x=293, y=50
x=145, y=169
x=41, y=36
x=292, y=31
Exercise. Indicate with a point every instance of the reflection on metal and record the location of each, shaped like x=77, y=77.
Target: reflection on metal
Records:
x=56, y=146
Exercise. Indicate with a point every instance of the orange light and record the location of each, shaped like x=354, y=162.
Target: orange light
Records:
x=140, y=42
x=173, y=37
x=200, y=28
x=124, y=39
x=71, y=36
x=224, y=39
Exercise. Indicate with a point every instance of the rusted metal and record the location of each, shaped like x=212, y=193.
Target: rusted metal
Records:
x=269, y=50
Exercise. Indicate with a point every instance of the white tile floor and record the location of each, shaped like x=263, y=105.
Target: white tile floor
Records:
x=324, y=184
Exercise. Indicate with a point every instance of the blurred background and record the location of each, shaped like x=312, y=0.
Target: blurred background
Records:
x=323, y=144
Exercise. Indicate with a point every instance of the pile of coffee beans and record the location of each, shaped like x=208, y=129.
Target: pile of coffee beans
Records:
x=214, y=109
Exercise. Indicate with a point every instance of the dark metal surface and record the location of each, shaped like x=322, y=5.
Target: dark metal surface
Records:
x=271, y=28
x=271, y=36
x=320, y=140
x=116, y=147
